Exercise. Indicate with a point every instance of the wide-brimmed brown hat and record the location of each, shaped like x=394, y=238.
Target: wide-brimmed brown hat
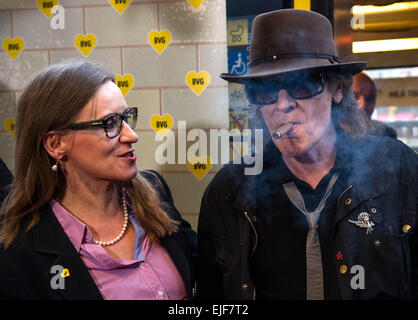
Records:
x=291, y=40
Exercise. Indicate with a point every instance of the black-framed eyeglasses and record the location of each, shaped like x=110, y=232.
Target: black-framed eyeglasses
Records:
x=265, y=92
x=112, y=124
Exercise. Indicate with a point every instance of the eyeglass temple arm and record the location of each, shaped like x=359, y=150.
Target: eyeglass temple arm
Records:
x=86, y=125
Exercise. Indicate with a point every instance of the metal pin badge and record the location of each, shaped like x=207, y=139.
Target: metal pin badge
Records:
x=364, y=221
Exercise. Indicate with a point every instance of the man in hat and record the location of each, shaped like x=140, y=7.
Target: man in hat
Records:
x=365, y=92
x=332, y=215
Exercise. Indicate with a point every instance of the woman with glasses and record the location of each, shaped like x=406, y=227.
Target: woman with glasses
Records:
x=332, y=215
x=80, y=221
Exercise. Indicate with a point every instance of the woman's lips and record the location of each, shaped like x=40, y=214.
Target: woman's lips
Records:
x=129, y=156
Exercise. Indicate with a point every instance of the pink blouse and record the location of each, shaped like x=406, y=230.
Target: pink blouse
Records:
x=151, y=275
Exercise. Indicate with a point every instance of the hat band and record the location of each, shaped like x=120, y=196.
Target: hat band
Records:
x=276, y=57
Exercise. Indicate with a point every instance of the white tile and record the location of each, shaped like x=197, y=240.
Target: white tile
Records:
x=5, y=26
x=16, y=73
x=112, y=29
x=168, y=69
x=209, y=110
x=213, y=58
x=109, y=59
x=186, y=24
x=36, y=31
x=17, y=4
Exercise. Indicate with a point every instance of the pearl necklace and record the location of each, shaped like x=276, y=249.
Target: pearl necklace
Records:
x=124, y=227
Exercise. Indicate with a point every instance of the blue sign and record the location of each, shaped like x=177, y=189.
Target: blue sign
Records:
x=238, y=62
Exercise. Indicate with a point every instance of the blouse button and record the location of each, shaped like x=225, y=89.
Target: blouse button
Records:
x=160, y=293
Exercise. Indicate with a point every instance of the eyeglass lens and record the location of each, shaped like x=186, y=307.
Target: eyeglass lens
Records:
x=266, y=92
x=113, y=123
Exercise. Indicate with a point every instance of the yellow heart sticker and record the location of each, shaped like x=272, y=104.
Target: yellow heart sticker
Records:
x=161, y=124
x=13, y=46
x=199, y=166
x=46, y=5
x=125, y=83
x=120, y=5
x=159, y=40
x=195, y=3
x=85, y=44
x=198, y=81
x=65, y=273
x=10, y=124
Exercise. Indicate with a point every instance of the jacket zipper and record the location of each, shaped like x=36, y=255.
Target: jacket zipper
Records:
x=255, y=232
x=256, y=241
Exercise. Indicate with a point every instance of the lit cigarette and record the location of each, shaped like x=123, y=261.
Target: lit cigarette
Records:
x=283, y=130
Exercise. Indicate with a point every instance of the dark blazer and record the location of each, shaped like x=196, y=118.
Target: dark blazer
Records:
x=25, y=267
x=6, y=179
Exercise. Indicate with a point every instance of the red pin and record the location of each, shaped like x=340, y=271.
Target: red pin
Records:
x=339, y=255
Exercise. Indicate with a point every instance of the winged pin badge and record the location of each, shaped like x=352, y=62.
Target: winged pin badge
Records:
x=364, y=221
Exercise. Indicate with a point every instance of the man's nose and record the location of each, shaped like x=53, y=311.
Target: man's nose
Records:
x=285, y=103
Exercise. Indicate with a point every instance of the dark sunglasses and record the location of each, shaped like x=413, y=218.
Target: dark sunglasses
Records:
x=265, y=92
x=112, y=124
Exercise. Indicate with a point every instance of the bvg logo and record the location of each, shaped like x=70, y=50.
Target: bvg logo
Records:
x=58, y=280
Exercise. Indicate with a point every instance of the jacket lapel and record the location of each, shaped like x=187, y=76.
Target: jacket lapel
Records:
x=362, y=185
x=58, y=256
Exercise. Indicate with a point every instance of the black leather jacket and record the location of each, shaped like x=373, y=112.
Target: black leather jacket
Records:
x=383, y=183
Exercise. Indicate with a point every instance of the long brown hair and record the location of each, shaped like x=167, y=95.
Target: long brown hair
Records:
x=49, y=102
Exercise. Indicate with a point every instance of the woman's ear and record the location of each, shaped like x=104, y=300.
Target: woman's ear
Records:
x=54, y=145
x=337, y=93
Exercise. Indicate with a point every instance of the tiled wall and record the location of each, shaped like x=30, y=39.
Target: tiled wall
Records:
x=198, y=43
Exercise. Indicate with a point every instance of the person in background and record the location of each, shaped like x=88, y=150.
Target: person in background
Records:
x=332, y=215
x=80, y=221
x=6, y=178
x=365, y=92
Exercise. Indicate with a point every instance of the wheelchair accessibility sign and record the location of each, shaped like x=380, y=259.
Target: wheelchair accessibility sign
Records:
x=238, y=62
x=238, y=32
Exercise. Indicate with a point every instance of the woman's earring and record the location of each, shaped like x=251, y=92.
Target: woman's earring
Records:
x=55, y=166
